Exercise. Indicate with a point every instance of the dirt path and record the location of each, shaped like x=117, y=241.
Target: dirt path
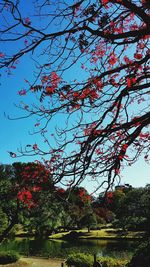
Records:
x=36, y=262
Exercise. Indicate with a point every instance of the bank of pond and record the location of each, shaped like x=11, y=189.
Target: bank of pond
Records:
x=62, y=248
x=80, y=253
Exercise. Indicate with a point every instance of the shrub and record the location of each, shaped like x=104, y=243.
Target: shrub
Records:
x=86, y=260
x=141, y=258
x=8, y=257
x=112, y=262
x=80, y=260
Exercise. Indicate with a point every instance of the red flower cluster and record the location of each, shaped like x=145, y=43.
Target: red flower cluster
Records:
x=138, y=56
x=131, y=82
x=60, y=191
x=113, y=59
x=25, y=197
x=123, y=151
x=35, y=172
x=84, y=196
x=109, y=197
x=51, y=82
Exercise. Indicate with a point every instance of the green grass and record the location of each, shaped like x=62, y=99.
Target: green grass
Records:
x=108, y=233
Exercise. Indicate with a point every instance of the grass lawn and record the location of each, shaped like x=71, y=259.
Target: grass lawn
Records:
x=108, y=233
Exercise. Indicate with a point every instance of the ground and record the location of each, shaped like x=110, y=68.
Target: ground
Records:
x=35, y=262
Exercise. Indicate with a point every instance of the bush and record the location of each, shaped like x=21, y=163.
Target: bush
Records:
x=86, y=260
x=141, y=258
x=8, y=257
x=112, y=262
x=80, y=260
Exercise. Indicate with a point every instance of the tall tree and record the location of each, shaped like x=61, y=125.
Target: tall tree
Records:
x=105, y=110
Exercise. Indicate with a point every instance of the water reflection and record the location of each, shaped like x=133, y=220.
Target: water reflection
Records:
x=53, y=248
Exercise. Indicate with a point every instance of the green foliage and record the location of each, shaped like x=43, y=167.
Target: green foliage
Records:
x=141, y=258
x=8, y=257
x=112, y=262
x=3, y=221
x=88, y=220
x=86, y=260
x=80, y=260
x=132, y=209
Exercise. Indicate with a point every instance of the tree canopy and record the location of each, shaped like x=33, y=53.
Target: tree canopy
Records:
x=91, y=65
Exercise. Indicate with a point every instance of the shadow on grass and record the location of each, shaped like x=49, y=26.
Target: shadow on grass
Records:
x=74, y=235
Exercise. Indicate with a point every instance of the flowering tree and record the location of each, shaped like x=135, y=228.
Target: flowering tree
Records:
x=105, y=44
x=24, y=190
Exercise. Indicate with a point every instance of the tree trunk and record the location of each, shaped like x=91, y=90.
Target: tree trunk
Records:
x=8, y=229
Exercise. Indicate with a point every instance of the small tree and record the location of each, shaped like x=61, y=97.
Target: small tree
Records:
x=88, y=220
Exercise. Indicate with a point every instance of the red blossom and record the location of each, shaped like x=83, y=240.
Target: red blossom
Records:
x=22, y=92
x=144, y=136
x=131, y=81
x=50, y=90
x=113, y=59
x=117, y=171
x=27, y=21
x=55, y=79
x=12, y=154
x=2, y=55
x=138, y=56
x=45, y=79
x=24, y=195
x=60, y=190
x=98, y=84
x=105, y=2
x=98, y=151
x=94, y=60
x=124, y=147
x=13, y=67
x=35, y=146
x=126, y=60
x=76, y=94
x=147, y=36
x=97, y=132
x=93, y=94
x=109, y=196
x=81, y=193
x=85, y=93
x=118, y=30
x=36, y=188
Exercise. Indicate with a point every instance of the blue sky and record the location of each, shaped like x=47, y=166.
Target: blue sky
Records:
x=15, y=133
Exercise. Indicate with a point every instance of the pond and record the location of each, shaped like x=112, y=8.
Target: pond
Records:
x=60, y=249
